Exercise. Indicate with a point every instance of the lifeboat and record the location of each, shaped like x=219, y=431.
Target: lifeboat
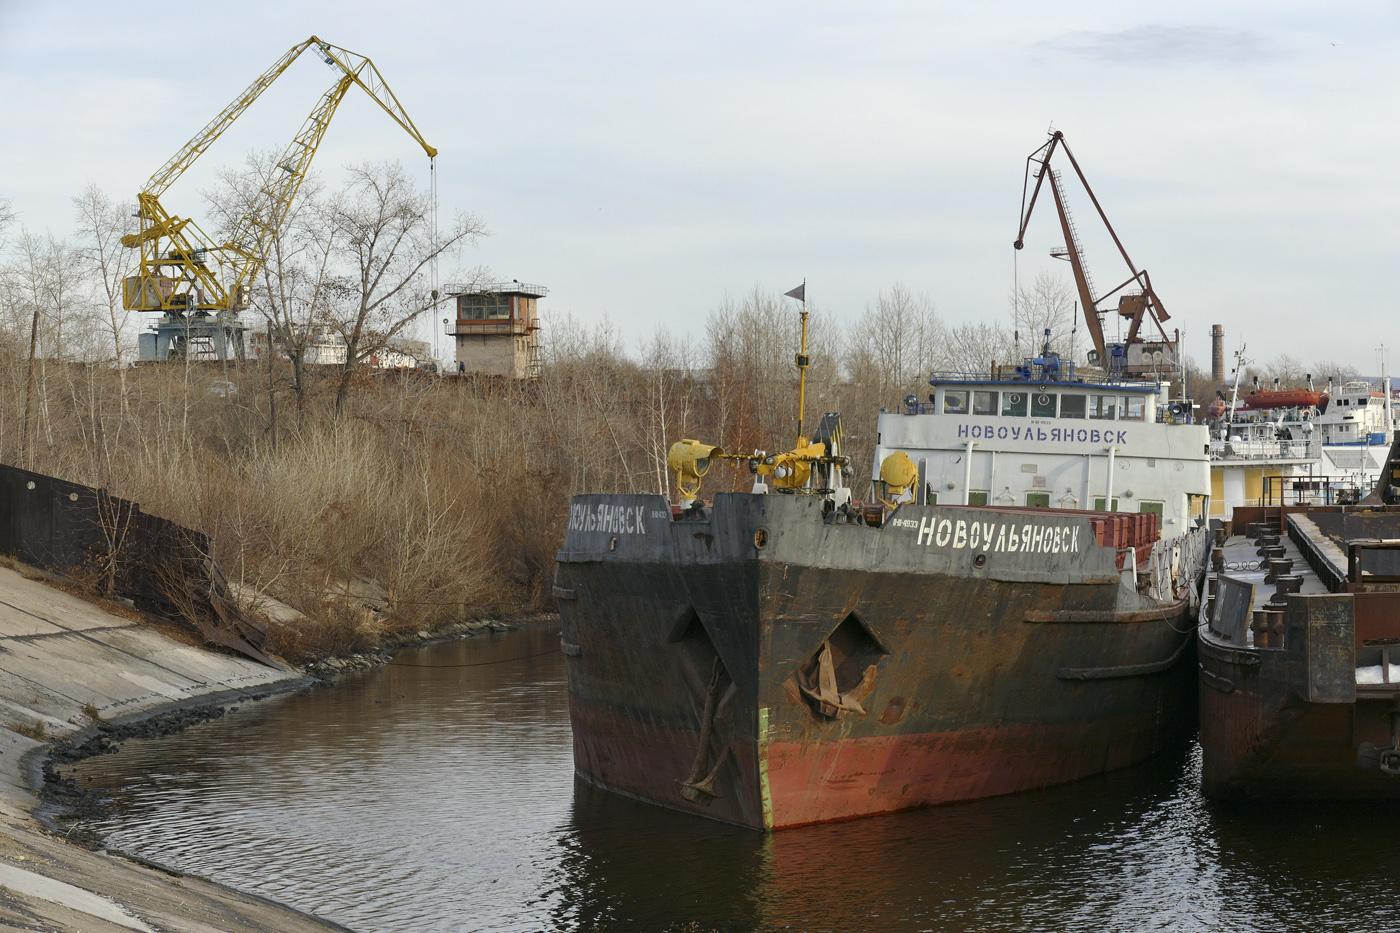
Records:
x=1284, y=398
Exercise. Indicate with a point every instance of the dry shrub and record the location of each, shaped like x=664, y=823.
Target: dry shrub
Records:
x=439, y=495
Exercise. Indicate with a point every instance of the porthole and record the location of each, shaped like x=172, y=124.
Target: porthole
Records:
x=760, y=538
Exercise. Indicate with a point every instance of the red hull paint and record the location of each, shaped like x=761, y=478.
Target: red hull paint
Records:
x=860, y=777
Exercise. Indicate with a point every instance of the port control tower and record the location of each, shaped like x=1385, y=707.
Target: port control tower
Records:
x=497, y=329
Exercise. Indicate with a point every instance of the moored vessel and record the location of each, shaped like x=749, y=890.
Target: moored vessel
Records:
x=1006, y=609
x=1299, y=650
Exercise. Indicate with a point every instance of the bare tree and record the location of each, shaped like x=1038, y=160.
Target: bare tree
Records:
x=670, y=397
x=897, y=341
x=7, y=217
x=101, y=225
x=379, y=235
x=45, y=273
x=976, y=345
x=1287, y=369
x=294, y=283
x=1339, y=373
x=1048, y=303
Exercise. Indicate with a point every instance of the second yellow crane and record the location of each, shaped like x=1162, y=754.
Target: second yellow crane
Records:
x=200, y=285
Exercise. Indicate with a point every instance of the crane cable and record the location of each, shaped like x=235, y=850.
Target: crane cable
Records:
x=432, y=317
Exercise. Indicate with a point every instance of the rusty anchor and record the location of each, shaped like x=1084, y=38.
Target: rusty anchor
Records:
x=1386, y=759
x=824, y=696
x=700, y=787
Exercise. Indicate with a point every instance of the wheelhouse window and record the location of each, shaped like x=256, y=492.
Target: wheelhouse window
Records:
x=955, y=402
x=1135, y=408
x=1072, y=406
x=1038, y=500
x=984, y=403
x=977, y=497
x=1103, y=407
x=1043, y=404
x=1013, y=404
x=1099, y=505
x=1153, y=507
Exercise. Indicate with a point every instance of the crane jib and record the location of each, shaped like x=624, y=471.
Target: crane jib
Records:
x=182, y=269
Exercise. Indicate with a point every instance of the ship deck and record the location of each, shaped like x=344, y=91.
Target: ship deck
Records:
x=1243, y=563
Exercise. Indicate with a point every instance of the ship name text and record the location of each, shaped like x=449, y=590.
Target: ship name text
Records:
x=1053, y=435
x=614, y=519
x=999, y=536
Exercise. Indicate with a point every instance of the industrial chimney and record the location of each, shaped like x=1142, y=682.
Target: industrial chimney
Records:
x=1217, y=355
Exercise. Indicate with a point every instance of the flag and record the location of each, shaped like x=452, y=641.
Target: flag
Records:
x=800, y=293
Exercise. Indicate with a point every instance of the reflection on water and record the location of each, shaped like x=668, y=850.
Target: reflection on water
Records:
x=442, y=798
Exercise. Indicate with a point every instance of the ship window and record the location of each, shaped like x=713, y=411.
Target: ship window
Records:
x=1135, y=408
x=984, y=403
x=1038, y=500
x=1043, y=405
x=977, y=497
x=955, y=402
x=1098, y=505
x=1153, y=507
x=1013, y=404
x=1072, y=406
x=1103, y=407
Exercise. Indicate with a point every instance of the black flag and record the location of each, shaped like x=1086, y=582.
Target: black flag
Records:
x=800, y=293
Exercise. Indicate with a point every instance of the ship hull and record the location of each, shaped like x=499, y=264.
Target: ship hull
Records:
x=1294, y=718
x=958, y=672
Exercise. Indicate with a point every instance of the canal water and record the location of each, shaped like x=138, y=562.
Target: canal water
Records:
x=437, y=794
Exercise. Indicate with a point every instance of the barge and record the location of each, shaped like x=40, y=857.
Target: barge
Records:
x=1299, y=651
x=1010, y=605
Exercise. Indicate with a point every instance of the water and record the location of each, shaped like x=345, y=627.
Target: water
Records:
x=442, y=798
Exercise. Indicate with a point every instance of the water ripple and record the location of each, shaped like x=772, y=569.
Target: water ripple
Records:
x=415, y=799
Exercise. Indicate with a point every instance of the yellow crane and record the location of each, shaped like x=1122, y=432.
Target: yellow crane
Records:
x=201, y=286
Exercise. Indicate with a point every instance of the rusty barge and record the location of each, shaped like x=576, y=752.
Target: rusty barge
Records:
x=787, y=656
x=1007, y=609
x=1299, y=651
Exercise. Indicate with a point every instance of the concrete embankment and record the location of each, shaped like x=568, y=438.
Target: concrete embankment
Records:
x=62, y=660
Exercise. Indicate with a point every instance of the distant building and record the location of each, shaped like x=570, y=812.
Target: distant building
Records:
x=497, y=329
x=325, y=346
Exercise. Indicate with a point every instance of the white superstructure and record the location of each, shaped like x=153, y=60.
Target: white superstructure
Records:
x=1043, y=437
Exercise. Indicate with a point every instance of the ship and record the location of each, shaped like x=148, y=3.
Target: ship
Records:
x=1007, y=607
x=1299, y=650
x=1302, y=446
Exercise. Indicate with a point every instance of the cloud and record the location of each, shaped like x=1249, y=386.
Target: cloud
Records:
x=1164, y=45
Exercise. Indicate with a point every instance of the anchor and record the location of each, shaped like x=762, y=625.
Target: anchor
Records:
x=825, y=698
x=700, y=787
x=1387, y=759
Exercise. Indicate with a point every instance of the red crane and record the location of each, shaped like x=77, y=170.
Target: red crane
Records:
x=1134, y=356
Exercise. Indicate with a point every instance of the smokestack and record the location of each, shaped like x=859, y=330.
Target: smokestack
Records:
x=1217, y=355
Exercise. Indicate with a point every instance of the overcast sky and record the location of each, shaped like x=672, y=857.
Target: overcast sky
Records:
x=642, y=160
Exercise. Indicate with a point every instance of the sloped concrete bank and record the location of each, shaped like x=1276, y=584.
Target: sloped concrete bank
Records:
x=67, y=667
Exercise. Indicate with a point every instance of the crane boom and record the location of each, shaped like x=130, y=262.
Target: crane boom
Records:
x=182, y=270
x=1134, y=306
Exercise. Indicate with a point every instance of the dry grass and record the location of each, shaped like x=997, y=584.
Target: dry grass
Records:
x=447, y=498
